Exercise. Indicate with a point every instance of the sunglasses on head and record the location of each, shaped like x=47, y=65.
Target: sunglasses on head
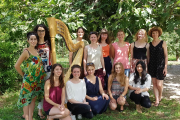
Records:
x=90, y=63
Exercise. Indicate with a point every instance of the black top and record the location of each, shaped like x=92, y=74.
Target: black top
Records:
x=139, y=53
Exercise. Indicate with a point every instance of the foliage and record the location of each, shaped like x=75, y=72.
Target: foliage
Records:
x=19, y=16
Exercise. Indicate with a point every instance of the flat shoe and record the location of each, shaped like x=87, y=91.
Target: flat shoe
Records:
x=121, y=110
x=156, y=104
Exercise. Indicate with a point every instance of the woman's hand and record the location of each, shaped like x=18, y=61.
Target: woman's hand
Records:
x=62, y=107
x=138, y=91
x=85, y=103
x=165, y=71
x=104, y=72
x=105, y=96
x=94, y=98
x=85, y=72
x=112, y=100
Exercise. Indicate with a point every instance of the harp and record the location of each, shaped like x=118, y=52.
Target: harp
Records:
x=56, y=26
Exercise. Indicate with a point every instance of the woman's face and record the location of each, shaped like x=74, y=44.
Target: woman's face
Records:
x=139, y=68
x=32, y=40
x=80, y=33
x=118, y=69
x=93, y=38
x=141, y=35
x=76, y=73
x=57, y=71
x=90, y=70
x=155, y=34
x=120, y=36
x=41, y=32
x=104, y=37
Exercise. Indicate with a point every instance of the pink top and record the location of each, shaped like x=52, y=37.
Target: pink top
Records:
x=55, y=96
x=121, y=54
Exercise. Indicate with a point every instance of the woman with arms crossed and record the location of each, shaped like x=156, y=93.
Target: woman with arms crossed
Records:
x=54, y=90
x=117, y=87
x=32, y=78
x=158, y=61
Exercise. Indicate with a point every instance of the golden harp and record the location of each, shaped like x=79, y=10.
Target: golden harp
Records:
x=56, y=26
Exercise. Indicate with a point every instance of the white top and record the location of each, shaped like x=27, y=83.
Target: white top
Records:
x=94, y=56
x=76, y=91
x=147, y=84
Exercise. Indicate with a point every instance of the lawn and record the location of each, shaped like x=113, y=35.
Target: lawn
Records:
x=167, y=110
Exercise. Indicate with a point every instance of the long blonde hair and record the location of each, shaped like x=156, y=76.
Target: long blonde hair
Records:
x=146, y=37
x=122, y=79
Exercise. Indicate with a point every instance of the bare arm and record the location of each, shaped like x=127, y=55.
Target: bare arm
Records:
x=112, y=52
x=109, y=86
x=47, y=87
x=147, y=47
x=85, y=60
x=129, y=50
x=126, y=86
x=102, y=91
x=166, y=57
x=70, y=57
x=24, y=56
x=132, y=46
x=102, y=62
x=63, y=96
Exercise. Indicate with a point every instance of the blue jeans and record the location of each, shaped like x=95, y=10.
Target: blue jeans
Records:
x=126, y=72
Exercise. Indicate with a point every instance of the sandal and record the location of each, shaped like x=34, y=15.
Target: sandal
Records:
x=41, y=117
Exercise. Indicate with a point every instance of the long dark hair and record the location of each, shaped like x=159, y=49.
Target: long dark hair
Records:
x=72, y=68
x=104, y=31
x=46, y=37
x=143, y=77
x=33, y=33
x=61, y=77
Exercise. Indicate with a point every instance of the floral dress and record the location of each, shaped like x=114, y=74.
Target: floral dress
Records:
x=33, y=84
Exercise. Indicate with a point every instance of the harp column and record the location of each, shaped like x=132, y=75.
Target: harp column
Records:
x=52, y=29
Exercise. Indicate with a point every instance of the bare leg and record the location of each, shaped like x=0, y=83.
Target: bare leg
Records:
x=156, y=91
x=113, y=106
x=56, y=113
x=40, y=107
x=26, y=112
x=31, y=108
x=121, y=101
x=160, y=88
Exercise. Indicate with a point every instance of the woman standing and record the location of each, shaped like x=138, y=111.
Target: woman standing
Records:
x=139, y=49
x=117, y=87
x=76, y=93
x=32, y=78
x=95, y=95
x=139, y=84
x=93, y=53
x=44, y=49
x=120, y=52
x=80, y=33
x=54, y=90
x=104, y=42
x=158, y=62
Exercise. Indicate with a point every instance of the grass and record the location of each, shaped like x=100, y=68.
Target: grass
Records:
x=167, y=110
x=171, y=58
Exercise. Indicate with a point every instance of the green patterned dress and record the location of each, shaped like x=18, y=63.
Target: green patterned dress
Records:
x=33, y=84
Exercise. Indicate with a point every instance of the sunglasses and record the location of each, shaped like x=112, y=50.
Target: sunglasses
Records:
x=41, y=30
x=90, y=64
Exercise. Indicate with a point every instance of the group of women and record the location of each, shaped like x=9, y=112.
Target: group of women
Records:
x=102, y=80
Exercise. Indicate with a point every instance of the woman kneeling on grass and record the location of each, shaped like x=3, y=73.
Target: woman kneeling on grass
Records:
x=55, y=95
x=117, y=87
x=96, y=97
x=76, y=93
x=139, y=84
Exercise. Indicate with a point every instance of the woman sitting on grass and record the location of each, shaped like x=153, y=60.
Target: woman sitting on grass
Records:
x=117, y=87
x=54, y=90
x=139, y=84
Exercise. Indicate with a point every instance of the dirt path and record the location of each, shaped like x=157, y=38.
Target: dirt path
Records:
x=172, y=83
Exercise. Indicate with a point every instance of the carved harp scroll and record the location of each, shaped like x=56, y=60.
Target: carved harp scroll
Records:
x=58, y=27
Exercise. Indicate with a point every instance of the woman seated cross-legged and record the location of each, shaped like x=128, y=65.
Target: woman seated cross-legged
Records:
x=139, y=84
x=117, y=87
x=55, y=95
x=76, y=93
x=96, y=97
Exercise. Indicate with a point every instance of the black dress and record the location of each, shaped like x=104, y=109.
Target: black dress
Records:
x=156, y=61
